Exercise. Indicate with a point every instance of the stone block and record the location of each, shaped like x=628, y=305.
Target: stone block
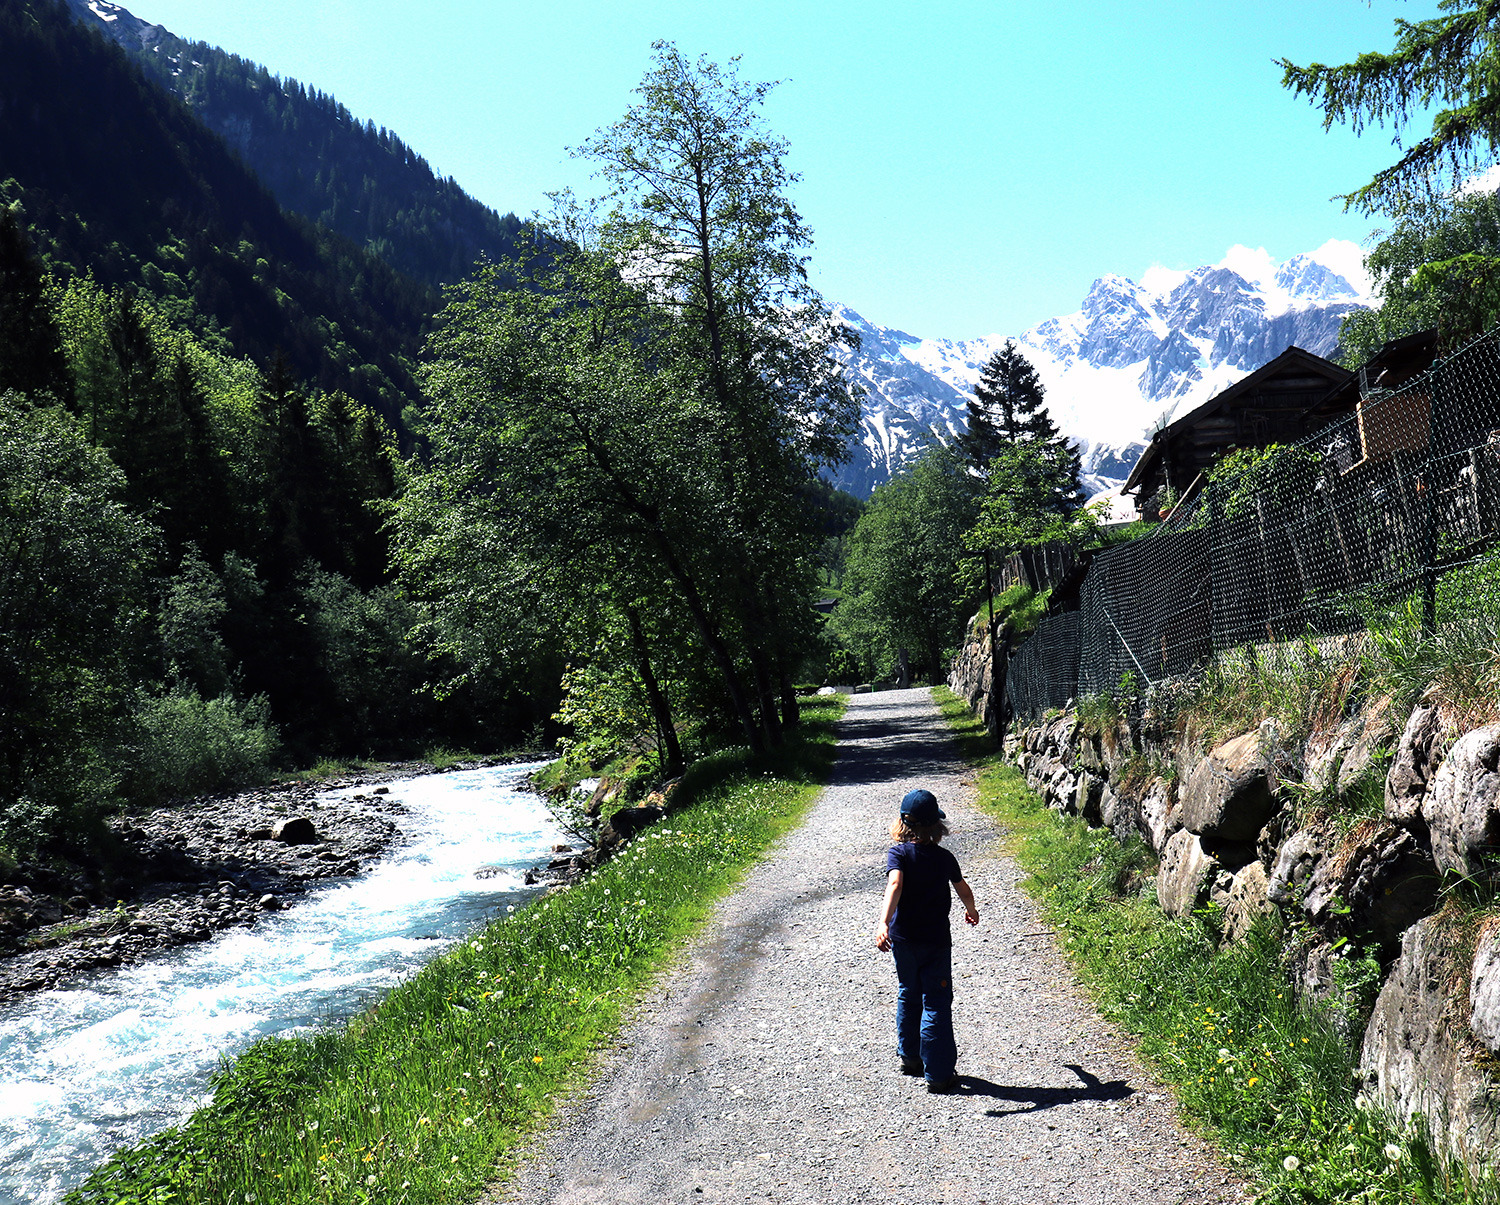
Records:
x=1230, y=794
x=1187, y=874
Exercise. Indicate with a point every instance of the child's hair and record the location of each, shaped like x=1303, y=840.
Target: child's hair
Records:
x=903, y=830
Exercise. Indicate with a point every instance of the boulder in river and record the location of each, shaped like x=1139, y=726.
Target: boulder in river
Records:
x=297, y=830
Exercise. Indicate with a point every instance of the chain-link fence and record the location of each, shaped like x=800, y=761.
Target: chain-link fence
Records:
x=1395, y=504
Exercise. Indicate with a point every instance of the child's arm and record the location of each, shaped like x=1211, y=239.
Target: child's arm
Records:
x=892, y=897
x=966, y=894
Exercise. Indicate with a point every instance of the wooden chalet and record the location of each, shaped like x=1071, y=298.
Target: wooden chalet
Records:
x=1293, y=395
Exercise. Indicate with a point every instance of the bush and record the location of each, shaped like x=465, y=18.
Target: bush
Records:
x=188, y=745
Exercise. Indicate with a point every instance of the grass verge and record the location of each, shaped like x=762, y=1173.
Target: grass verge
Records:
x=1267, y=1080
x=425, y=1097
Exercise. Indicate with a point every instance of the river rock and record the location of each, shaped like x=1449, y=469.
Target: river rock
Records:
x=1418, y=754
x=1414, y=1057
x=1187, y=874
x=1484, y=990
x=296, y=830
x=1247, y=903
x=1230, y=794
x=1462, y=805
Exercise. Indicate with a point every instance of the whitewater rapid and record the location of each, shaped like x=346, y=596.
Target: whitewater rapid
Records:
x=122, y=1054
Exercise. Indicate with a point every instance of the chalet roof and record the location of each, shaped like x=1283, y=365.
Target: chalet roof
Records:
x=1395, y=363
x=1293, y=360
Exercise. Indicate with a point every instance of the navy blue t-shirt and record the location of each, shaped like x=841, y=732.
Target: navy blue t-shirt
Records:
x=922, y=910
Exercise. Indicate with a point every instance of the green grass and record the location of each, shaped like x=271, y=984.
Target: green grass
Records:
x=430, y=1094
x=1268, y=1081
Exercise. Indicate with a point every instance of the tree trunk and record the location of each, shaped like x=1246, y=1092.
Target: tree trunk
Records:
x=791, y=710
x=661, y=710
x=770, y=718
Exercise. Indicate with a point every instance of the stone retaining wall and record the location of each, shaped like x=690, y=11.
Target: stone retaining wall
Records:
x=1223, y=824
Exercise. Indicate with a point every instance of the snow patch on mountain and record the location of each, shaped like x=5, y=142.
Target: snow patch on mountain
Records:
x=1130, y=358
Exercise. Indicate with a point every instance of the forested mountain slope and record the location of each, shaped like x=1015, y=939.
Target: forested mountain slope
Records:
x=316, y=157
x=120, y=179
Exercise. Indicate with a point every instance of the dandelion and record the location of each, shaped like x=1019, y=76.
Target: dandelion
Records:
x=468, y=1123
x=372, y=1179
x=454, y=1159
x=1363, y=1103
x=510, y=907
x=1224, y=1055
x=424, y=1120
x=537, y=1059
x=1392, y=1152
x=1252, y=1081
x=1291, y=1163
x=312, y=1125
x=374, y=1109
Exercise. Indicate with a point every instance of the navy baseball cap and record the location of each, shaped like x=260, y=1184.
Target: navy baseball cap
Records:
x=922, y=807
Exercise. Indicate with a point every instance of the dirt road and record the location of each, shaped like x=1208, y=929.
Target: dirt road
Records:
x=764, y=1068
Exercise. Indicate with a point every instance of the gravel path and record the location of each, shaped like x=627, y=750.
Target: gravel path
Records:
x=764, y=1069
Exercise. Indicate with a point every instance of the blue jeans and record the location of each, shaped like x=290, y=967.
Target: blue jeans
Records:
x=924, y=1007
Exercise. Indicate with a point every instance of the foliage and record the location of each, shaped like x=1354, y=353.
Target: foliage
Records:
x=1438, y=267
x=73, y=626
x=187, y=745
x=1447, y=64
x=904, y=561
x=1270, y=1077
x=1030, y=499
x=684, y=312
x=455, y=1070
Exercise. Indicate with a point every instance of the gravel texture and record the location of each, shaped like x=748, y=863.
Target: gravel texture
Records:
x=763, y=1067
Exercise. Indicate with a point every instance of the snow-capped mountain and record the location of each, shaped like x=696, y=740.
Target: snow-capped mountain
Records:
x=1132, y=356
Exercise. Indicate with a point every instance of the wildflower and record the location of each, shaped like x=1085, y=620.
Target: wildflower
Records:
x=1252, y=1081
x=468, y=1123
x=536, y=1058
x=424, y=1120
x=1291, y=1163
x=510, y=907
x=1392, y=1152
x=312, y=1125
x=372, y=1179
x=1363, y=1103
x=1224, y=1055
x=374, y=1109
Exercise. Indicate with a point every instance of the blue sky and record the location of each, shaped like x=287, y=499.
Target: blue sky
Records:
x=968, y=168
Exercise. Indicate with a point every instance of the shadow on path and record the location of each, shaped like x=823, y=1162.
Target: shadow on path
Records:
x=1091, y=1087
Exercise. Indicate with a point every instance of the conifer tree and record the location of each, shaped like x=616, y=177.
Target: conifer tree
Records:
x=31, y=358
x=1009, y=409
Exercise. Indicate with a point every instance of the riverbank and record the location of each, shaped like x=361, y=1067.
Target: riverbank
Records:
x=182, y=873
x=422, y=1096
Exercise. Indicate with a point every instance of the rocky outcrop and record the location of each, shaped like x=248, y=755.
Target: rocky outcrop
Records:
x=969, y=673
x=1249, y=901
x=1462, y=806
x=1416, y=1056
x=1418, y=754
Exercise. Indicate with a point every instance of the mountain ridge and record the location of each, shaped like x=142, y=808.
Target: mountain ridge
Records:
x=1132, y=356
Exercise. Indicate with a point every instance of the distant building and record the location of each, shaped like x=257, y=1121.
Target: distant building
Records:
x=1294, y=395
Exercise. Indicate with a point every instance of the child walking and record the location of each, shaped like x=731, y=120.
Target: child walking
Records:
x=914, y=927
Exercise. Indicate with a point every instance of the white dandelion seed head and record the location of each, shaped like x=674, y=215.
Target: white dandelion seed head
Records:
x=1291, y=1163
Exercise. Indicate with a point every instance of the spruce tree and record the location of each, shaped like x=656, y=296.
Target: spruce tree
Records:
x=1009, y=409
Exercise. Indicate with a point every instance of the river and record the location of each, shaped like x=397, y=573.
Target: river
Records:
x=123, y=1054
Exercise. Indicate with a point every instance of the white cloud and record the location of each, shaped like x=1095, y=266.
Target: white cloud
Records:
x=1486, y=181
x=1348, y=260
x=1255, y=265
x=1159, y=281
